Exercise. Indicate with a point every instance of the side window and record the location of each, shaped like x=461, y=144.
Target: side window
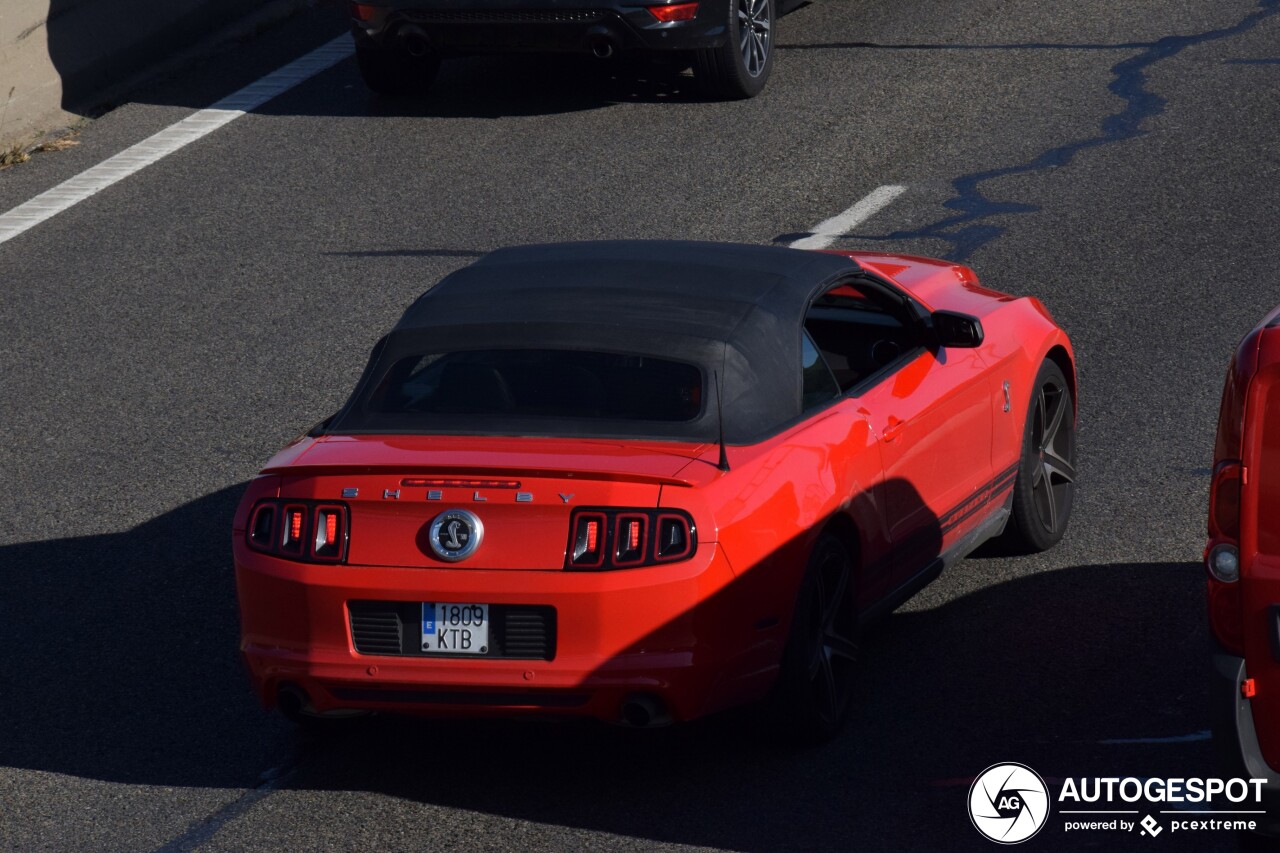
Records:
x=819, y=385
x=859, y=332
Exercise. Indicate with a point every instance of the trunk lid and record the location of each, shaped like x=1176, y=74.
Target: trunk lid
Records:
x=522, y=490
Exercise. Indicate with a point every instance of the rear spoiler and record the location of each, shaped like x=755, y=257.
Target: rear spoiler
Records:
x=474, y=472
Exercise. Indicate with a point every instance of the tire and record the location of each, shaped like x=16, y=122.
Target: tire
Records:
x=740, y=67
x=815, y=685
x=393, y=72
x=1045, y=486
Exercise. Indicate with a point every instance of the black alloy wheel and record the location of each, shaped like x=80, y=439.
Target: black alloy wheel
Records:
x=815, y=685
x=740, y=67
x=1046, y=483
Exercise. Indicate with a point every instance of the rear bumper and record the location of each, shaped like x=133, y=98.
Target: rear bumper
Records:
x=666, y=632
x=1236, y=739
x=546, y=25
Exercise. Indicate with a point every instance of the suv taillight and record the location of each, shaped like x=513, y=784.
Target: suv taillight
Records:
x=1224, y=502
x=604, y=539
x=310, y=531
x=1222, y=555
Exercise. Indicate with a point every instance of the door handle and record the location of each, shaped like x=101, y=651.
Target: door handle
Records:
x=893, y=429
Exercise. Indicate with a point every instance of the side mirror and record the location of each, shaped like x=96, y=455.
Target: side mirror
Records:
x=957, y=330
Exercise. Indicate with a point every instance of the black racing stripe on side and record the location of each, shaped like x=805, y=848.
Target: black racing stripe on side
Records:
x=953, y=523
x=979, y=499
x=922, y=543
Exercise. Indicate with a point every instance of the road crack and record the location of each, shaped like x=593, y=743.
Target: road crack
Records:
x=972, y=226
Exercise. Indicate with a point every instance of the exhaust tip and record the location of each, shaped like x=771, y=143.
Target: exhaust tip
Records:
x=603, y=48
x=295, y=704
x=414, y=41
x=292, y=701
x=643, y=711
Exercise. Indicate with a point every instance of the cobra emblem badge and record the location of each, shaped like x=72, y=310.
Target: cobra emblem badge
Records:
x=456, y=534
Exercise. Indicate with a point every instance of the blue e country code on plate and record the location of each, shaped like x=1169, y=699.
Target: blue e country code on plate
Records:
x=455, y=629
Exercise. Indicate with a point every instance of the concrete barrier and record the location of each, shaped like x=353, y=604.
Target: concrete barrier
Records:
x=59, y=58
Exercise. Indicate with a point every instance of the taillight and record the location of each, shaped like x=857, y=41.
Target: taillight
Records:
x=1224, y=501
x=630, y=541
x=603, y=539
x=674, y=12
x=586, y=549
x=295, y=524
x=1222, y=556
x=674, y=538
x=362, y=11
x=300, y=530
x=331, y=533
x=262, y=526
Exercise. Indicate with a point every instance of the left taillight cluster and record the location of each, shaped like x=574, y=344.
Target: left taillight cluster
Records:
x=605, y=539
x=311, y=531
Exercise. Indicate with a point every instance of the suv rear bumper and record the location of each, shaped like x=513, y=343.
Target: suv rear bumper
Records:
x=1236, y=739
x=546, y=25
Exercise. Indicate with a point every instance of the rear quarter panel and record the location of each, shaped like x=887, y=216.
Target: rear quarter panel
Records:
x=769, y=509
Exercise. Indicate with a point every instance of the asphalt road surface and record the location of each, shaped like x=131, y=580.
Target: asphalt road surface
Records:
x=158, y=341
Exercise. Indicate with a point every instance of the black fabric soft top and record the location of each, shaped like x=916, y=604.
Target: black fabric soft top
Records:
x=732, y=310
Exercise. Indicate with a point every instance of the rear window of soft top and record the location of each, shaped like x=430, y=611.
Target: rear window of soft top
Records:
x=521, y=383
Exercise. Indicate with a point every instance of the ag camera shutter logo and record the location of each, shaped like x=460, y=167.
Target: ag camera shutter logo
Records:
x=1008, y=803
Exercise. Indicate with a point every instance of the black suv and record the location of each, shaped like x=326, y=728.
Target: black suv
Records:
x=729, y=43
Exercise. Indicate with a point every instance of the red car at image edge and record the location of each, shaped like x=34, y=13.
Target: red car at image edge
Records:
x=644, y=481
x=1243, y=563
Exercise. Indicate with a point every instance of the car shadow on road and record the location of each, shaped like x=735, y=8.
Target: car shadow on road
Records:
x=121, y=660
x=501, y=86
x=1055, y=670
x=122, y=666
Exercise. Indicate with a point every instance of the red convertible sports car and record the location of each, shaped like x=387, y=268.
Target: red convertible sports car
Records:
x=644, y=481
x=1243, y=562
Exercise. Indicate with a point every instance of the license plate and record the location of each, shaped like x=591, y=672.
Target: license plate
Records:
x=455, y=629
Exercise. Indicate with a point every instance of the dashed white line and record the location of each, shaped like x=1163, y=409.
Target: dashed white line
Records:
x=1191, y=738
x=137, y=157
x=825, y=233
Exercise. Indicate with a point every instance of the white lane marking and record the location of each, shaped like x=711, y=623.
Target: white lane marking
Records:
x=825, y=233
x=135, y=158
x=1191, y=738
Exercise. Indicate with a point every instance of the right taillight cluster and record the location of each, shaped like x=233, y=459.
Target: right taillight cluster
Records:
x=1222, y=556
x=300, y=530
x=605, y=539
x=1223, y=559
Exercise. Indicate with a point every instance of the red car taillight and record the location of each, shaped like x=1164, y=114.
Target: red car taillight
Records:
x=1224, y=502
x=604, y=539
x=586, y=547
x=674, y=12
x=1222, y=556
x=330, y=540
x=309, y=531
